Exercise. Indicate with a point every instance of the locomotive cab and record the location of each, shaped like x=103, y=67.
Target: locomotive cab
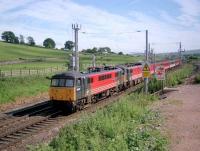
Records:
x=66, y=87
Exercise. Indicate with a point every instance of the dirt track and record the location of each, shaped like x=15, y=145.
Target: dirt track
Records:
x=181, y=111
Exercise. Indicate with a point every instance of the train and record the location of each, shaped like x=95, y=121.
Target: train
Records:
x=73, y=90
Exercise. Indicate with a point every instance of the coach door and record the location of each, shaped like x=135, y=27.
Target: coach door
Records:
x=80, y=87
x=128, y=74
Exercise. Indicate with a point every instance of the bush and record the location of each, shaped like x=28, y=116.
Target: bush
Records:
x=197, y=78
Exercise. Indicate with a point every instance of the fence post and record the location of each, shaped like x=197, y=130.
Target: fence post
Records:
x=20, y=72
x=29, y=71
x=11, y=72
x=51, y=69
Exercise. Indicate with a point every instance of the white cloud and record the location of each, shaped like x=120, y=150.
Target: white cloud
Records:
x=189, y=7
x=53, y=18
x=190, y=12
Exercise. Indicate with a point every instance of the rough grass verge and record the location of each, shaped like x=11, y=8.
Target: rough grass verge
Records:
x=15, y=87
x=173, y=78
x=126, y=125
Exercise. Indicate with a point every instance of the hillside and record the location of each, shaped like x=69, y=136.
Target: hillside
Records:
x=14, y=52
x=14, y=56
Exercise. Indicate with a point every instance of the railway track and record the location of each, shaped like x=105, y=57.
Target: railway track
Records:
x=18, y=125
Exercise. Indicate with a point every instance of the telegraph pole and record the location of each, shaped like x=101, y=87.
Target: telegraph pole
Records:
x=146, y=60
x=180, y=49
x=154, y=61
x=76, y=28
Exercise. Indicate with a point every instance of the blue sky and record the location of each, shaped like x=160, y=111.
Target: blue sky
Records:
x=168, y=22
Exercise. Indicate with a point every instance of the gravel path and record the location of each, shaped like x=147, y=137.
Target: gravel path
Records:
x=181, y=111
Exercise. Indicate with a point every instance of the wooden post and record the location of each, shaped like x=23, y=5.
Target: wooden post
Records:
x=11, y=72
x=162, y=86
x=29, y=71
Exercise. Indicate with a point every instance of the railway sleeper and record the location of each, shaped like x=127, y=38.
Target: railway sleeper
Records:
x=10, y=121
x=20, y=127
x=14, y=136
x=6, y=139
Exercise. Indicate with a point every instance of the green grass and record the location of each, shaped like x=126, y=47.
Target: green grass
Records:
x=178, y=76
x=12, y=88
x=126, y=125
x=14, y=52
x=33, y=65
x=173, y=78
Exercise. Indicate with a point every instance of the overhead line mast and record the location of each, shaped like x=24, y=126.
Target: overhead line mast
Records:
x=76, y=28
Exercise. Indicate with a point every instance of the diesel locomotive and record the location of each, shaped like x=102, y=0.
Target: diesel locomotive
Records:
x=73, y=90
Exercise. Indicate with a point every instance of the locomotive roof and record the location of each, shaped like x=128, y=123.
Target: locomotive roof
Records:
x=68, y=74
x=75, y=74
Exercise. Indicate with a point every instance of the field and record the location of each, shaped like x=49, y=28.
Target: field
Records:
x=37, y=58
x=13, y=88
x=126, y=125
x=14, y=52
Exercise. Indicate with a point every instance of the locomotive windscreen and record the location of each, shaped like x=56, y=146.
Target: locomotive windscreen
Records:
x=62, y=82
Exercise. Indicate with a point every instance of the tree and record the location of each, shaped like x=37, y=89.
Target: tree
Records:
x=69, y=45
x=16, y=40
x=31, y=41
x=49, y=43
x=120, y=53
x=8, y=36
x=101, y=50
x=93, y=50
x=21, y=39
x=107, y=49
x=104, y=50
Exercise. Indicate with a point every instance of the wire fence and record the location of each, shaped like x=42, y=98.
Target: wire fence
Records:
x=27, y=72
x=44, y=71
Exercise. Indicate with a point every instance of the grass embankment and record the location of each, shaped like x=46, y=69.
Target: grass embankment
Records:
x=13, y=88
x=126, y=125
x=172, y=78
